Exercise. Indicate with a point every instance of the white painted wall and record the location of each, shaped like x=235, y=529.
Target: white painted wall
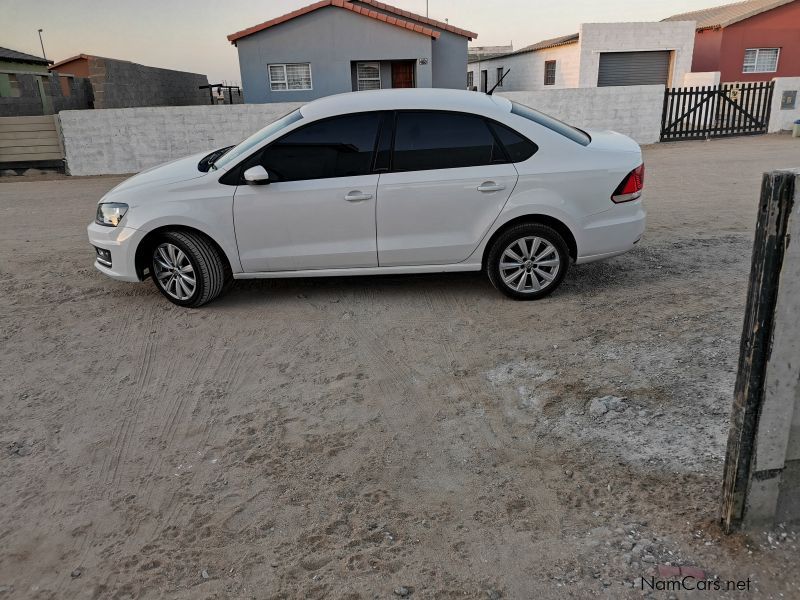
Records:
x=677, y=36
x=634, y=111
x=704, y=78
x=781, y=120
x=128, y=140
x=527, y=70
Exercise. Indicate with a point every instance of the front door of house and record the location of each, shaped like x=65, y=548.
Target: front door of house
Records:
x=403, y=74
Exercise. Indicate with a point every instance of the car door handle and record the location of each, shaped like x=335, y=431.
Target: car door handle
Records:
x=490, y=186
x=357, y=196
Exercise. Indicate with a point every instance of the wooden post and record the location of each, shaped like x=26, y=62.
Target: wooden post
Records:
x=762, y=463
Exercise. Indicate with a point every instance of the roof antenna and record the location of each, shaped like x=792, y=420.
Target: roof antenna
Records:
x=499, y=81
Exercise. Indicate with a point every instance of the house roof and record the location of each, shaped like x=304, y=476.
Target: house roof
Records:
x=414, y=16
x=9, y=55
x=70, y=59
x=543, y=45
x=723, y=16
x=343, y=4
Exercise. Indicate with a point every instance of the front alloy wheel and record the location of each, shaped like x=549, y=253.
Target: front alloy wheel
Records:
x=528, y=261
x=174, y=272
x=188, y=268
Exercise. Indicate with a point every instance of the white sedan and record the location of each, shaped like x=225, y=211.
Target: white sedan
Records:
x=395, y=181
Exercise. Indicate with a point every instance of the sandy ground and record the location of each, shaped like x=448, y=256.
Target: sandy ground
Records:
x=370, y=438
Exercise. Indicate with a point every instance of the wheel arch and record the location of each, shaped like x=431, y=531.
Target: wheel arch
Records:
x=142, y=259
x=563, y=230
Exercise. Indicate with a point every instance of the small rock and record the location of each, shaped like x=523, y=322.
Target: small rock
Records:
x=648, y=558
x=401, y=591
x=75, y=573
x=493, y=594
x=7, y=173
x=626, y=545
x=31, y=172
x=568, y=473
x=204, y=574
x=597, y=407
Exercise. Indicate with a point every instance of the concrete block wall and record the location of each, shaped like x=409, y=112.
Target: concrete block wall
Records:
x=123, y=84
x=634, y=111
x=527, y=70
x=29, y=102
x=781, y=120
x=595, y=38
x=100, y=142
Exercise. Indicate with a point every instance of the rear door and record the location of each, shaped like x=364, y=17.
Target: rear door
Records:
x=448, y=181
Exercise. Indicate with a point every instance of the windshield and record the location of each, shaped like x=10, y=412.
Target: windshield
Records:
x=576, y=135
x=258, y=137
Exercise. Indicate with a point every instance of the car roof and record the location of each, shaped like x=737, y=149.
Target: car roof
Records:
x=405, y=99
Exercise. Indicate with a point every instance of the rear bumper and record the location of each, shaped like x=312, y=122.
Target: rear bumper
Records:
x=612, y=232
x=121, y=242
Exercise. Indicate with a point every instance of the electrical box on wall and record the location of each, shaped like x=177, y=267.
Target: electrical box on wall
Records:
x=789, y=100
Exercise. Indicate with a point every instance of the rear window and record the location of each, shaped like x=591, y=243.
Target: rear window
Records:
x=526, y=112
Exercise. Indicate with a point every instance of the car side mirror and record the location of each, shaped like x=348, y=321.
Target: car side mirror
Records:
x=256, y=175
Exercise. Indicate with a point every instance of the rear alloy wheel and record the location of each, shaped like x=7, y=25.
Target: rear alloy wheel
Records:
x=528, y=261
x=188, y=269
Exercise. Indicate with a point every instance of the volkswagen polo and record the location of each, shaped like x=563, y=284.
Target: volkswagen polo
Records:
x=380, y=182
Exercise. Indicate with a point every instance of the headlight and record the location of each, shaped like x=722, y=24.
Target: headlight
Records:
x=110, y=213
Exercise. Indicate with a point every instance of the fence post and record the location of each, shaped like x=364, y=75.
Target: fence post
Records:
x=761, y=484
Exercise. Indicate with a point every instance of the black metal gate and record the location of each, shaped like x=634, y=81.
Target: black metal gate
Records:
x=699, y=113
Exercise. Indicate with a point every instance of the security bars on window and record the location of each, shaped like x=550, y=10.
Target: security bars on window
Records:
x=760, y=60
x=290, y=77
x=368, y=76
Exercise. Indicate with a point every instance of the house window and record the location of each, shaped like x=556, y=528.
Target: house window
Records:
x=550, y=72
x=368, y=75
x=290, y=77
x=9, y=86
x=470, y=80
x=499, y=76
x=760, y=60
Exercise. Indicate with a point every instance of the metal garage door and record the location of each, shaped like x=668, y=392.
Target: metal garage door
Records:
x=633, y=68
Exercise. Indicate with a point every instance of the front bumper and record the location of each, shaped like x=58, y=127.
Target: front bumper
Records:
x=121, y=242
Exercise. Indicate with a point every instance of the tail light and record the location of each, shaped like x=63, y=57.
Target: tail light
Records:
x=631, y=187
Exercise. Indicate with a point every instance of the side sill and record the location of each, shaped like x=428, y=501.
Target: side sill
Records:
x=418, y=269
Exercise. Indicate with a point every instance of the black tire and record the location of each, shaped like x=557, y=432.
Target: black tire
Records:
x=212, y=273
x=531, y=271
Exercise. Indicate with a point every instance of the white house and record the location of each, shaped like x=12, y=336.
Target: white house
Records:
x=601, y=54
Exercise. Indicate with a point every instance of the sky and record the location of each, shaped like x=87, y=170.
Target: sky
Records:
x=190, y=35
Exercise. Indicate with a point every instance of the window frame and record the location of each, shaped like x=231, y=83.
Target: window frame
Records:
x=373, y=170
x=554, y=64
x=499, y=76
x=488, y=123
x=470, y=80
x=755, y=61
x=286, y=77
x=372, y=63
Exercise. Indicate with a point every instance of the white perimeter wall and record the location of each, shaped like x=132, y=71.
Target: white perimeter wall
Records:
x=595, y=38
x=128, y=140
x=634, y=111
x=783, y=119
x=527, y=70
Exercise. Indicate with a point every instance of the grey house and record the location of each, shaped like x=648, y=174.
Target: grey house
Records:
x=337, y=46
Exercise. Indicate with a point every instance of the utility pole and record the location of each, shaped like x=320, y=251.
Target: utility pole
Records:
x=42, y=44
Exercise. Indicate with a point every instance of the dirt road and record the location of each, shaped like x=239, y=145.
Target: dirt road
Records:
x=375, y=438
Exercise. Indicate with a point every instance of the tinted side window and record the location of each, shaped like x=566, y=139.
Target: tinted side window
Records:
x=576, y=135
x=517, y=147
x=439, y=140
x=337, y=147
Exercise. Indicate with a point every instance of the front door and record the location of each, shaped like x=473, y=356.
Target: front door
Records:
x=318, y=210
x=484, y=81
x=449, y=181
x=403, y=74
